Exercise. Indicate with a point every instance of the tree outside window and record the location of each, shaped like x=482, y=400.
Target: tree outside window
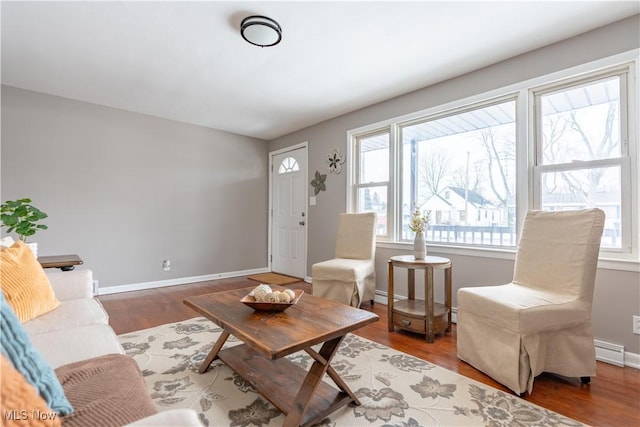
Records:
x=461, y=167
x=580, y=151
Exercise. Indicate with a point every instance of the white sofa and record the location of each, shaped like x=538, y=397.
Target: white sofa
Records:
x=78, y=329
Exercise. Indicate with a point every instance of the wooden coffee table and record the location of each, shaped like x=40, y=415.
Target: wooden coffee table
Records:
x=269, y=336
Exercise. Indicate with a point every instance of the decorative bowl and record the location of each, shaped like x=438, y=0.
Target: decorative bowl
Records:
x=271, y=306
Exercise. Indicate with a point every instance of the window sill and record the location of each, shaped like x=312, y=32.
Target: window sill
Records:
x=606, y=263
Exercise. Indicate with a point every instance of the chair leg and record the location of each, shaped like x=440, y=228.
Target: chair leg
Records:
x=372, y=301
x=585, y=380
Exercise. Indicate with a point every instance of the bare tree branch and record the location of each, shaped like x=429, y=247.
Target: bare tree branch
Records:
x=432, y=171
x=495, y=164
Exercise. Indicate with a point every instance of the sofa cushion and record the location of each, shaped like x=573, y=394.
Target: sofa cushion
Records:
x=17, y=347
x=75, y=344
x=69, y=314
x=20, y=400
x=105, y=391
x=71, y=284
x=24, y=283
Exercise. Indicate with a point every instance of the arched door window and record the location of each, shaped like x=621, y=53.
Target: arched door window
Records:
x=288, y=165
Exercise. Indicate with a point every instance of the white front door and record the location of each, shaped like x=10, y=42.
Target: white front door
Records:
x=289, y=212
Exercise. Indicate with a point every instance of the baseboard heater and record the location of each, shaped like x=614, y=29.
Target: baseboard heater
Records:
x=609, y=353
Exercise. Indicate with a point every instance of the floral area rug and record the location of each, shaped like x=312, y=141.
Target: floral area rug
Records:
x=394, y=389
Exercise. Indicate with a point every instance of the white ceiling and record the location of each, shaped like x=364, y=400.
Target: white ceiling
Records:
x=186, y=61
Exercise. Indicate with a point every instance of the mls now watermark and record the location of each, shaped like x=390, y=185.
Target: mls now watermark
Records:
x=24, y=415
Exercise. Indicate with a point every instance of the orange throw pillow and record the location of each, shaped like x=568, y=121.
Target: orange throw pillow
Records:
x=21, y=404
x=25, y=285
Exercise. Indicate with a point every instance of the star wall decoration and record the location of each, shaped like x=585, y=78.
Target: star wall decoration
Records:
x=336, y=160
x=318, y=183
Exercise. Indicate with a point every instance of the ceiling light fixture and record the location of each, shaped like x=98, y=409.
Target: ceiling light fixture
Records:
x=261, y=31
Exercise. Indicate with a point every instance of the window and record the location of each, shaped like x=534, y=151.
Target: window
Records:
x=479, y=164
x=461, y=167
x=288, y=165
x=581, y=158
x=372, y=179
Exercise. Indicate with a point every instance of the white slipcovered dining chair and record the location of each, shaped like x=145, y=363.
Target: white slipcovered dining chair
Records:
x=541, y=321
x=349, y=278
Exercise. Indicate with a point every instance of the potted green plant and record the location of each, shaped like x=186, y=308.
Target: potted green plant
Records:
x=21, y=217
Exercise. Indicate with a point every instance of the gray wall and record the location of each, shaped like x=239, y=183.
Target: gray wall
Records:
x=125, y=190
x=617, y=294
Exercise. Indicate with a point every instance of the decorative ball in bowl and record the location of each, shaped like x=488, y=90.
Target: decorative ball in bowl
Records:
x=263, y=298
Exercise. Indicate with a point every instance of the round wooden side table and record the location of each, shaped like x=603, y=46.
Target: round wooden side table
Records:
x=422, y=316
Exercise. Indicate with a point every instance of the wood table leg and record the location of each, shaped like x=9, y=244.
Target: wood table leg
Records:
x=411, y=283
x=311, y=381
x=428, y=296
x=334, y=375
x=447, y=295
x=342, y=385
x=390, y=298
x=213, y=354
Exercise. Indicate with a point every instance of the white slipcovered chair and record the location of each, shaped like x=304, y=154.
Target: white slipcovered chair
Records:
x=541, y=321
x=350, y=277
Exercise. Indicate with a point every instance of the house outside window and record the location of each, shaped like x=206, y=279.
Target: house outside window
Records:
x=478, y=167
x=461, y=166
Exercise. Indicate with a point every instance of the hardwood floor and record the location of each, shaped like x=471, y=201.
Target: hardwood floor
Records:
x=612, y=398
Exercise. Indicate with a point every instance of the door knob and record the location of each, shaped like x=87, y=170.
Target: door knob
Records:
x=301, y=223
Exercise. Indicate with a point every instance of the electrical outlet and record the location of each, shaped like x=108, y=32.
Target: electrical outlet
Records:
x=636, y=325
x=166, y=265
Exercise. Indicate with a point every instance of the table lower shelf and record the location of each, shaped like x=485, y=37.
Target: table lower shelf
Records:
x=280, y=380
x=411, y=315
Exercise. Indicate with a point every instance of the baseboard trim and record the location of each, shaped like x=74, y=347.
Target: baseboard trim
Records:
x=179, y=281
x=379, y=298
x=605, y=352
x=632, y=360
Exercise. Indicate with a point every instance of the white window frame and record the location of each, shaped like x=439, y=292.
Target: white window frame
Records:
x=353, y=179
x=508, y=97
x=625, y=73
x=627, y=260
